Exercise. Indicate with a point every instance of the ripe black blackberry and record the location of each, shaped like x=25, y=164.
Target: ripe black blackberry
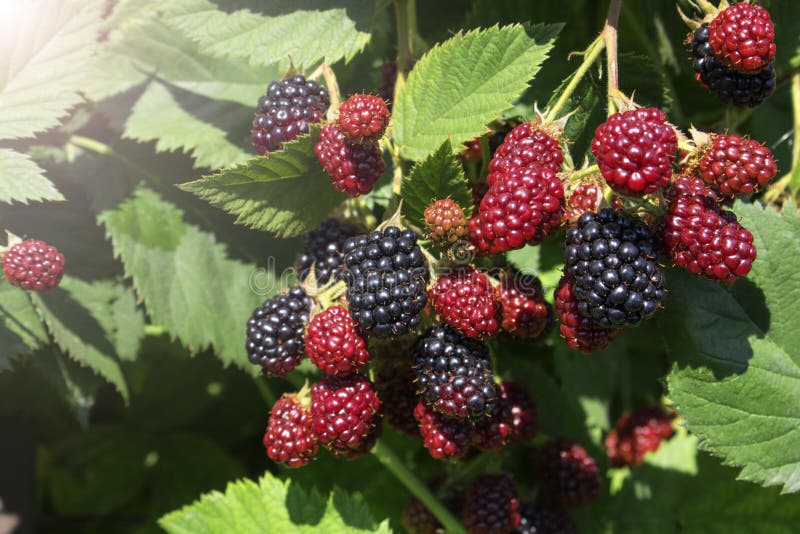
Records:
x=743, y=90
x=544, y=518
x=610, y=257
x=275, y=332
x=491, y=505
x=285, y=112
x=322, y=248
x=386, y=275
x=454, y=374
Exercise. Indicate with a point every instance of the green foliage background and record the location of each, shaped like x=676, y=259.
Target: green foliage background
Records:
x=133, y=370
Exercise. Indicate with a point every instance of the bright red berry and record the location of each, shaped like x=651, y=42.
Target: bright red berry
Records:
x=491, y=505
x=334, y=344
x=703, y=238
x=513, y=419
x=634, y=151
x=290, y=438
x=353, y=168
x=445, y=222
x=569, y=473
x=742, y=37
x=636, y=434
x=466, y=300
x=345, y=413
x=33, y=265
x=525, y=313
x=520, y=209
x=587, y=196
x=363, y=118
x=579, y=332
x=445, y=438
x=525, y=146
x=733, y=165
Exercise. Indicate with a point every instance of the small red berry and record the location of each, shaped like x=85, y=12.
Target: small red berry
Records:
x=525, y=146
x=579, y=332
x=587, y=196
x=733, y=165
x=703, y=238
x=33, y=265
x=634, y=151
x=472, y=150
x=466, y=300
x=525, y=313
x=345, y=413
x=742, y=37
x=363, y=118
x=569, y=473
x=353, y=168
x=334, y=344
x=491, y=505
x=445, y=438
x=636, y=434
x=290, y=438
x=445, y=222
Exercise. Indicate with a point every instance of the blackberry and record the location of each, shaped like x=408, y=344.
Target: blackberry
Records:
x=334, y=344
x=275, y=332
x=398, y=395
x=491, y=505
x=472, y=150
x=285, y=112
x=587, y=196
x=33, y=265
x=513, y=419
x=525, y=313
x=363, y=118
x=353, y=168
x=743, y=90
x=465, y=300
x=610, y=257
x=386, y=275
x=569, y=473
x=579, y=332
x=289, y=438
x=734, y=165
x=525, y=146
x=543, y=517
x=454, y=373
x=418, y=519
x=322, y=248
x=742, y=37
x=445, y=222
x=636, y=434
x=445, y=438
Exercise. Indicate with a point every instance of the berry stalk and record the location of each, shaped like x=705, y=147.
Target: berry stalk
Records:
x=389, y=459
x=610, y=39
x=777, y=188
x=589, y=56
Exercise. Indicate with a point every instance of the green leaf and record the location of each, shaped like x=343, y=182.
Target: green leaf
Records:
x=21, y=330
x=46, y=48
x=439, y=176
x=272, y=504
x=187, y=282
x=736, y=377
x=79, y=316
x=464, y=83
x=22, y=180
x=307, y=38
x=286, y=192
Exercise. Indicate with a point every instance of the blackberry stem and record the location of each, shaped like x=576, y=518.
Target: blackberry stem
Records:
x=777, y=188
x=389, y=459
x=577, y=175
x=589, y=56
x=612, y=63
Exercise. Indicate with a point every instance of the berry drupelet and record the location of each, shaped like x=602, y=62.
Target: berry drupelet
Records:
x=275, y=332
x=285, y=112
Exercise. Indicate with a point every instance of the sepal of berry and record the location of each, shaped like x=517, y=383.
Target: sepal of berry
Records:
x=491, y=505
x=525, y=313
x=445, y=222
x=466, y=300
x=445, y=438
x=636, y=434
x=289, y=438
x=334, y=344
x=733, y=165
x=32, y=265
x=742, y=37
x=363, y=118
x=569, y=473
x=353, y=168
x=344, y=411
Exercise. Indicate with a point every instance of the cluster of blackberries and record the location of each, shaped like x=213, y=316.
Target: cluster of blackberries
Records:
x=732, y=55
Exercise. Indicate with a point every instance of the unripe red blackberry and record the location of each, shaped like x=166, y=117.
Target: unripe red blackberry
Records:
x=276, y=330
x=345, y=413
x=353, y=168
x=522, y=208
x=742, y=37
x=703, y=238
x=454, y=374
x=587, y=196
x=525, y=313
x=634, y=151
x=363, y=118
x=322, y=249
x=526, y=145
x=445, y=438
x=578, y=331
x=636, y=434
x=285, y=112
x=334, y=344
x=289, y=438
x=513, y=419
x=33, y=265
x=734, y=165
x=491, y=505
x=465, y=299
x=445, y=222
x=545, y=518
x=569, y=473
x=524, y=418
